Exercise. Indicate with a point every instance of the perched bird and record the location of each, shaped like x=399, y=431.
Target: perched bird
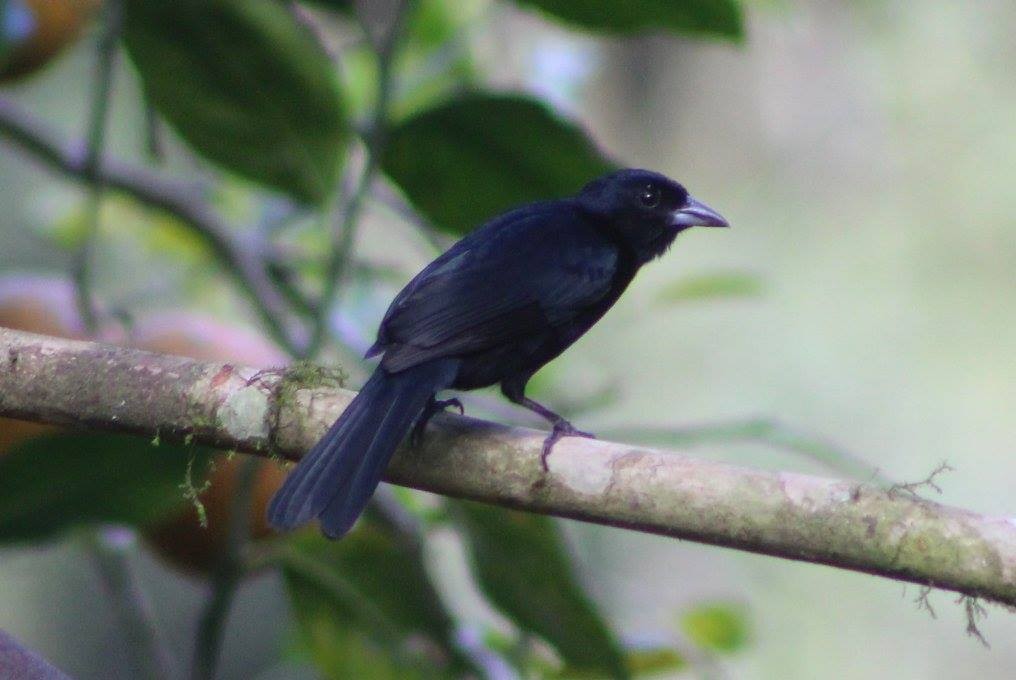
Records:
x=494, y=308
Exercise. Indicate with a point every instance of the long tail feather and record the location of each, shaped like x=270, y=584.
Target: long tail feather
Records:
x=338, y=476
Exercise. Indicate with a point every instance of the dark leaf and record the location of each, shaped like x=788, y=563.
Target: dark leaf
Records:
x=723, y=18
x=471, y=158
x=59, y=481
x=367, y=602
x=343, y=6
x=719, y=627
x=522, y=566
x=246, y=85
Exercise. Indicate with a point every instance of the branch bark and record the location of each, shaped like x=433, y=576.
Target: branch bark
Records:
x=839, y=523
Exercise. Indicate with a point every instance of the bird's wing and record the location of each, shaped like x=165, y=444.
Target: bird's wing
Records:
x=524, y=274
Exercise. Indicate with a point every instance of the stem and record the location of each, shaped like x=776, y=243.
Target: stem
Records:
x=155, y=145
x=81, y=266
x=374, y=139
x=109, y=550
x=227, y=576
x=183, y=200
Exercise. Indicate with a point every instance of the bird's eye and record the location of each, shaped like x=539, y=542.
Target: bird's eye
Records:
x=649, y=197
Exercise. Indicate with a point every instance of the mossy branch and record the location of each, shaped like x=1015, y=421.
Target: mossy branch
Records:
x=844, y=524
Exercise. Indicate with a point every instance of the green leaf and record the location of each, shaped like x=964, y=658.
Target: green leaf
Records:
x=366, y=607
x=640, y=661
x=246, y=85
x=522, y=566
x=655, y=660
x=713, y=285
x=721, y=18
x=60, y=481
x=718, y=627
x=463, y=162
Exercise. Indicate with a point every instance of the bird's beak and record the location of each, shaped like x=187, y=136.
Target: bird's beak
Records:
x=696, y=214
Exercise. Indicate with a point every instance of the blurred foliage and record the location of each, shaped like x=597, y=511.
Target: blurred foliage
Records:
x=366, y=606
x=246, y=85
x=654, y=660
x=522, y=566
x=712, y=285
x=480, y=154
x=249, y=86
x=33, y=32
x=60, y=481
x=716, y=17
x=344, y=6
x=717, y=627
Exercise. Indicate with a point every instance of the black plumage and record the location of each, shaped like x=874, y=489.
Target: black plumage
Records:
x=493, y=309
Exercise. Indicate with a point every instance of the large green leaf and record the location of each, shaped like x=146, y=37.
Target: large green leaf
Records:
x=246, y=85
x=473, y=157
x=723, y=18
x=523, y=567
x=59, y=481
x=366, y=602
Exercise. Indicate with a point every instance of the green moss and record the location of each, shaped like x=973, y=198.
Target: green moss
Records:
x=192, y=492
x=308, y=375
x=301, y=375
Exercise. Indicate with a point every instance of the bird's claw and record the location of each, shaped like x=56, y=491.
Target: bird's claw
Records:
x=448, y=403
x=562, y=428
x=435, y=406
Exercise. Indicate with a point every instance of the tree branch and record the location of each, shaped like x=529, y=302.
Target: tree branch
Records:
x=177, y=198
x=844, y=524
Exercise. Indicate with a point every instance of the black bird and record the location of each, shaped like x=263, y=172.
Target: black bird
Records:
x=494, y=308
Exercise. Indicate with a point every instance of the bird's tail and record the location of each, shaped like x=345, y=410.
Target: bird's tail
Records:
x=338, y=476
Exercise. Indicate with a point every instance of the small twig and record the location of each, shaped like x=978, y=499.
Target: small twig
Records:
x=102, y=92
x=923, y=602
x=108, y=548
x=227, y=576
x=974, y=611
x=911, y=488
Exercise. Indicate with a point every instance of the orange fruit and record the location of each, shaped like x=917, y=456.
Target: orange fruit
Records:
x=49, y=26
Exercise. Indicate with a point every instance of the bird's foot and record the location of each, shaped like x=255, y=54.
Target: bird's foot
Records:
x=442, y=404
x=433, y=407
x=562, y=428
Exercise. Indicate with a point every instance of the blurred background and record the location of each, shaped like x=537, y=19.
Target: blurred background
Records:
x=863, y=302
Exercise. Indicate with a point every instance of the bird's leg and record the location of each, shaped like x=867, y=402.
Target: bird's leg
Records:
x=433, y=407
x=561, y=427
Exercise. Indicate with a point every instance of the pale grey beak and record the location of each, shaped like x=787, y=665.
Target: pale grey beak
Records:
x=696, y=214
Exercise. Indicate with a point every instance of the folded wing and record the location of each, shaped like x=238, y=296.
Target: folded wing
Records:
x=529, y=271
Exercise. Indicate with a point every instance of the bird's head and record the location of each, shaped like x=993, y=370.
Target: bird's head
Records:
x=646, y=209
